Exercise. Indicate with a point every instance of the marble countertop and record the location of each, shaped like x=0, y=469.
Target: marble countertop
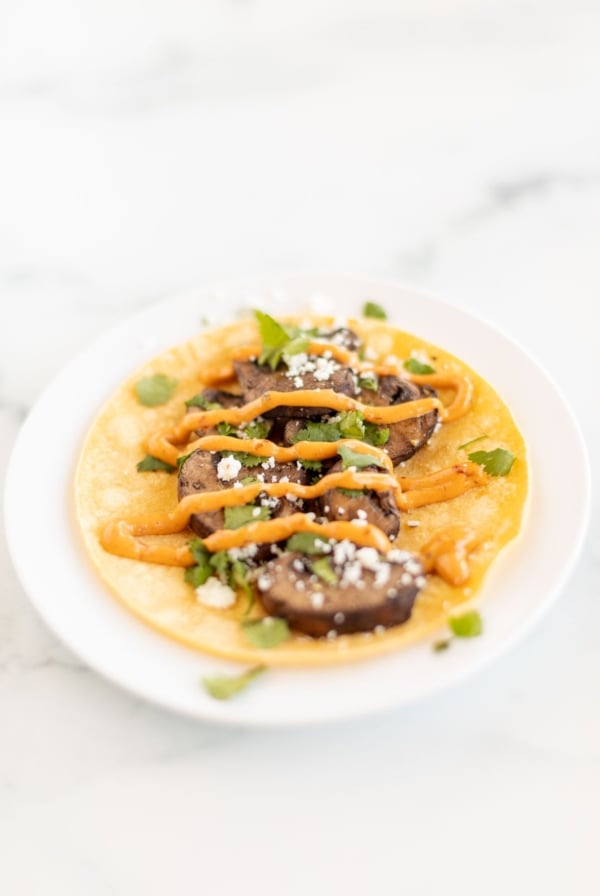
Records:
x=150, y=147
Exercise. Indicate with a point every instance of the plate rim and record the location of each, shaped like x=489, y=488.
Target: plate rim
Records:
x=230, y=716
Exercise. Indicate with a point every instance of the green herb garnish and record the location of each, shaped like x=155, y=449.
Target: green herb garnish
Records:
x=201, y=401
x=376, y=435
x=444, y=644
x=372, y=309
x=352, y=458
x=152, y=464
x=278, y=340
x=307, y=543
x=246, y=460
x=368, y=381
x=223, y=687
x=181, y=460
x=314, y=466
x=352, y=425
x=226, y=429
x=154, y=390
x=497, y=462
x=266, y=633
x=318, y=432
x=197, y=575
x=415, y=366
x=472, y=442
x=324, y=570
x=351, y=492
x=257, y=429
x=236, y=517
x=468, y=625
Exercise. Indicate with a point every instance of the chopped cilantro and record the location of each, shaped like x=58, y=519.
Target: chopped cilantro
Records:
x=352, y=425
x=236, y=517
x=368, y=381
x=201, y=401
x=266, y=633
x=372, y=309
x=442, y=645
x=223, y=687
x=413, y=365
x=197, y=575
x=154, y=390
x=307, y=543
x=352, y=458
x=376, y=435
x=351, y=492
x=277, y=339
x=248, y=480
x=246, y=460
x=152, y=464
x=314, y=466
x=472, y=442
x=181, y=460
x=226, y=429
x=220, y=563
x=318, y=432
x=324, y=570
x=497, y=463
x=468, y=625
x=257, y=429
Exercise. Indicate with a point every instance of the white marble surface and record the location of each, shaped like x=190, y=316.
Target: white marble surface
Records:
x=151, y=146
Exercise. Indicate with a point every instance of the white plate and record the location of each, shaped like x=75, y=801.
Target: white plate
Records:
x=79, y=609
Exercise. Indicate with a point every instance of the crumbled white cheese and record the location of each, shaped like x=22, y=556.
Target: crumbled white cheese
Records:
x=268, y=464
x=228, y=468
x=317, y=599
x=413, y=523
x=215, y=594
x=264, y=582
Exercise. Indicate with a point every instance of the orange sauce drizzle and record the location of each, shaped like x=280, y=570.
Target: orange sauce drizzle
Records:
x=161, y=445
x=447, y=553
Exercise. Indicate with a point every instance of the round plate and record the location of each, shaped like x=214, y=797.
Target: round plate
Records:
x=55, y=572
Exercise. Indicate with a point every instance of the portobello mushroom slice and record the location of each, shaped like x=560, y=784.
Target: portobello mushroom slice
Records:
x=256, y=379
x=378, y=508
x=407, y=436
x=200, y=473
x=343, y=336
x=371, y=591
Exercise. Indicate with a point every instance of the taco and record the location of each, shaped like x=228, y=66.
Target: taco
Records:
x=300, y=491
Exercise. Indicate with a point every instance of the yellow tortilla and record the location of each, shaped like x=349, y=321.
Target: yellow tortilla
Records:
x=107, y=484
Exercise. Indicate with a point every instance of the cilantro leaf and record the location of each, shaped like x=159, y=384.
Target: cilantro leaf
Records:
x=266, y=633
x=223, y=687
x=368, y=381
x=257, y=429
x=324, y=570
x=181, y=460
x=413, y=365
x=154, y=390
x=226, y=429
x=277, y=339
x=236, y=517
x=246, y=460
x=154, y=464
x=352, y=458
x=351, y=492
x=372, y=309
x=197, y=575
x=201, y=401
x=468, y=625
x=318, y=432
x=352, y=425
x=497, y=463
x=307, y=543
x=473, y=442
x=376, y=435
x=314, y=466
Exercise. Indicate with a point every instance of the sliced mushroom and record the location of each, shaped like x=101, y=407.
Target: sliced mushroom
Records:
x=199, y=474
x=378, y=508
x=407, y=436
x=256, y=379
x=361, y=601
